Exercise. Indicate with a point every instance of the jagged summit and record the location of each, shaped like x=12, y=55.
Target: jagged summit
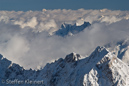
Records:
x=101, y=68
x=68, y=29
x=72, y=57
x=101, y=50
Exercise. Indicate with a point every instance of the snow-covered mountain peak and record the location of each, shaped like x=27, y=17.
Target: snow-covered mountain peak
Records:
x=72, y=57
x=108, y=71
x=99, y=52
x=120, y=50
x=68, y=29
x=115, y=71
x=101, y=49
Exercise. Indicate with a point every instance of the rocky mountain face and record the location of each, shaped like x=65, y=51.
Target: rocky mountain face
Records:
x=101, y=68
x=69, y=30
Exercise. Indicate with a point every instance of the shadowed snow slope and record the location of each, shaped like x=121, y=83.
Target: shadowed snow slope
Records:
x=101, y=68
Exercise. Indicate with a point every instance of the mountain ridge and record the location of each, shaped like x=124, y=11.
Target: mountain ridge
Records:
x=69, y=30
x=101, y=68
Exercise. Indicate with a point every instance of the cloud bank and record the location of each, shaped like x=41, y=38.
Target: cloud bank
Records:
x=27, y=38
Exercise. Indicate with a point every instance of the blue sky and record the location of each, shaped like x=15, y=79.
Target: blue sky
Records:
x=25, y=5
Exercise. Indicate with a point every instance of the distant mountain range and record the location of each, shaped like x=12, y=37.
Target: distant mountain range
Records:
x=69, y=30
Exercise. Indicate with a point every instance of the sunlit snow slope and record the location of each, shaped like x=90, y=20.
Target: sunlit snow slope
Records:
x=101, y=68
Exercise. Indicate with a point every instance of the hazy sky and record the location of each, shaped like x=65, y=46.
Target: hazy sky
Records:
x=24, y=5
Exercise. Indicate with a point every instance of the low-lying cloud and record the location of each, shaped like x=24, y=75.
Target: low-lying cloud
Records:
x=27, y=38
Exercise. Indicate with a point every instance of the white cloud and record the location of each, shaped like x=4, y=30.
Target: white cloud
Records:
x=30, y=23
x=15, y=47
x=49, y=26
x=24, y=38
